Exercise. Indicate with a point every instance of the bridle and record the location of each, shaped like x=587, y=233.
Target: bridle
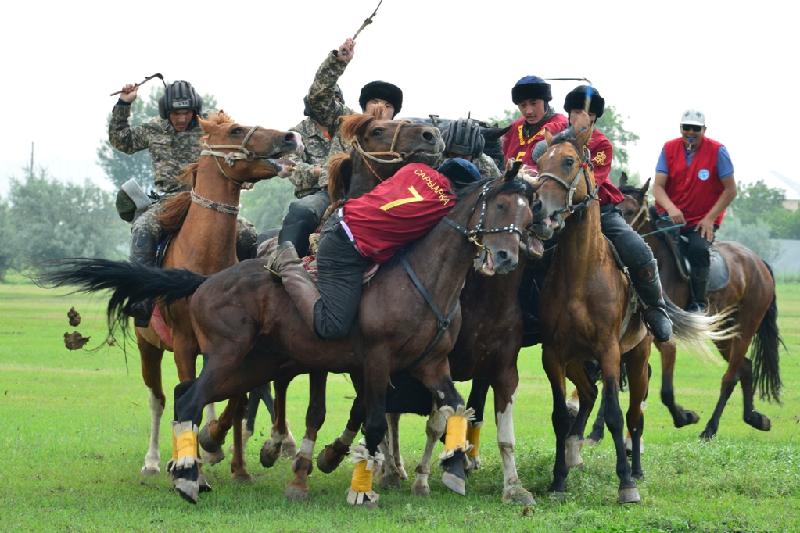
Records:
x=376, y=157
x=571, y=187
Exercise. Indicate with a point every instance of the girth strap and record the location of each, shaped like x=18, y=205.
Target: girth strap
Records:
x=443, y=322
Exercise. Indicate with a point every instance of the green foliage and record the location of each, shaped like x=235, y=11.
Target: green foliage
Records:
x=46, y=219
x=120, y=167
x=755, y=236
x=509, y=116
x=756, y=202
x=6, y=251
x=267, y=203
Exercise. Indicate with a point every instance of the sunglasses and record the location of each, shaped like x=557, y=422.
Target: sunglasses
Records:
x=691, y=127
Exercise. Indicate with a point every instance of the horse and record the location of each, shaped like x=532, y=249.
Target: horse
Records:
x=486, y=352
x=750, y=290
x=587, y=312
x=204, y=225
x=247, y=300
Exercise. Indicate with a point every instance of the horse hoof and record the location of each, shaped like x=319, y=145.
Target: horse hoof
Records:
x=420, y=489
x=401, y=472
x=332, y=456
x=150, y=470
x=758, y=421
x=707, y=434
x=558, y=495
x=296, y=493
x=207, y=443
x=454, y=483
x=519, y=495
x=269, y=453
x=592, y=441
x=473, y=463
x=686, y=418
x=594, y=437
x=188, y=490
x=288, y=448
x=629, y=495
x=211, y=458
x=390, y=480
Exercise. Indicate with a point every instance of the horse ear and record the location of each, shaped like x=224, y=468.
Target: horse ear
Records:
x=548, y=137
x=645, y=187
x=207, y=125
x=354, y=125
x=512, y=172
x=623, y=179
x=584, y=136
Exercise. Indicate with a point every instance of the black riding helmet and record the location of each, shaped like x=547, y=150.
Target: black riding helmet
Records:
x=463, y=137
x=177, y=96
x=576, y=99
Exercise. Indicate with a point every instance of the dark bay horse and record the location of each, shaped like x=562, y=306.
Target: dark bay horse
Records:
x=750, y=290
x=204, y=222
x=247, y=327
x=588, y=312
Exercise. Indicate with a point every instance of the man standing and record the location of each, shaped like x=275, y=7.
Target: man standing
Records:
x=693, y=186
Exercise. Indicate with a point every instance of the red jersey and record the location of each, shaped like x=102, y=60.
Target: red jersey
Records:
x=694, y=188
x=601, y=153
x=398, y=211
x=517, y=147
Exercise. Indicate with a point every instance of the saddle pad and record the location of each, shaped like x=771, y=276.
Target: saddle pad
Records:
x=268, y=248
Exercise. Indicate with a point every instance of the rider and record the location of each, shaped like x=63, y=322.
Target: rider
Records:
x=463, y=138
x=693, y=186
x=378, y=98
x=368, y=229
x=173, y=141
x=532, y=96
x=631, y=247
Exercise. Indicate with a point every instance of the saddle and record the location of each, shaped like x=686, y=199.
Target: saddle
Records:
x=718, y=274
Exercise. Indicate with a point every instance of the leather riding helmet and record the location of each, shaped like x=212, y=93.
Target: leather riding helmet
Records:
x=177, y=96
x=576, y=99
x=463, y=137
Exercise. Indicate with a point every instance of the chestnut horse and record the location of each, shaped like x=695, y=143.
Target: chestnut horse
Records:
x=205, y=242
x=587, y=312
x=750, y=290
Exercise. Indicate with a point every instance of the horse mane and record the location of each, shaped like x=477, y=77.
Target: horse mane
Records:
x=173, y=212
x=352, y=125
x=188, y=175
x=220, y=117
x=340, y=169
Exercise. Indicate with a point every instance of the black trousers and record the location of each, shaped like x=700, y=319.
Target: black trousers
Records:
x=340, y=270
x=302, y=219
x=634, y=252
x=696, y=249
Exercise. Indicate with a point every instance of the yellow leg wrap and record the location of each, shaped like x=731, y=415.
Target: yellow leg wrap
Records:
x=186, y=445
x=362, y=478
x=174, y=447
x=474, y=438
x=456, y=438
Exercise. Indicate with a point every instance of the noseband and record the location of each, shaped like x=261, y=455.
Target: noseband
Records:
x=573, y=185
x=237, y=152
x=375, y=157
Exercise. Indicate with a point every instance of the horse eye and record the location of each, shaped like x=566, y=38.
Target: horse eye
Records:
x=377, y=132
x=569, y=161
x=236, y=131
x=500, y=206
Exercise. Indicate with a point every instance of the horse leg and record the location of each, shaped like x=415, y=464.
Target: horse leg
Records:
x=505, y=388
x=638, y=381
x=333, y=454
x=560, y=418
x=628, y=493
x=434, y=429
x=587, y=394
x=238, y=465
x=315, y=417
x=392, y=471
x=733, y=351
x=271, y=449
x=151, y=373
x=680, y=416
x=751, y=416
x=477, y=402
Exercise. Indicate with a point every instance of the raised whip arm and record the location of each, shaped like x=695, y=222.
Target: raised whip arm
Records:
x=156, y=75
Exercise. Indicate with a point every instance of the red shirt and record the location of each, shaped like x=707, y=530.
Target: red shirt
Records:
x=694, y=188
x=398, y=211
x=516, y=146
x=601, y=153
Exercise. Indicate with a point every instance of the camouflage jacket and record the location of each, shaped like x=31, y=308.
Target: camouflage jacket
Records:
x=321, y=98
x=487, y=166
x=170, y=150
x=315, y=153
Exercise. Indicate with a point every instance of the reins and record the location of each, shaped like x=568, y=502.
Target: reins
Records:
x=591, y=194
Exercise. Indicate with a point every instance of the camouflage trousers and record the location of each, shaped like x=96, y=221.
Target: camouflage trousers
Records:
x=146, y=234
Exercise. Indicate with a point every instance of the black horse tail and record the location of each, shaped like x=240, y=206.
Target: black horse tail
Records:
x=131, y=283
x=765, y=352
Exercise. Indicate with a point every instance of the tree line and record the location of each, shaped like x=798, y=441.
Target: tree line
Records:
x=44, y=219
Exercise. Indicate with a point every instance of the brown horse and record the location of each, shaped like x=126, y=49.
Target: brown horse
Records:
x=587, y=312
x=204, y=222
x=750, y=290
x=247, y=327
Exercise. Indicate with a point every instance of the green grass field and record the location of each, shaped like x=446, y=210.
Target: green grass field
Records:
x=76, y=428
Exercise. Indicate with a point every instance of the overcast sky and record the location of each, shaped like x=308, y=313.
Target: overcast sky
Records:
x=650, y=60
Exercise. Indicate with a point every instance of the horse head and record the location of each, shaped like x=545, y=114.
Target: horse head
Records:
x=247, y=153
x=497, y=226
x=634, y=205
x=565, y=183
x=378, y=149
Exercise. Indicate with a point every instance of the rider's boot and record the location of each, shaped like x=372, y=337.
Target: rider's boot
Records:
x=648, y=287
x=143, y=252
x=699, y=281
x=296, y=281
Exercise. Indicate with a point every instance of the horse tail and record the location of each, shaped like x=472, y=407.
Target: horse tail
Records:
x=173, y=212
x=340, y=169
x=695, y=329
x=765, y=351
x=131, y=283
